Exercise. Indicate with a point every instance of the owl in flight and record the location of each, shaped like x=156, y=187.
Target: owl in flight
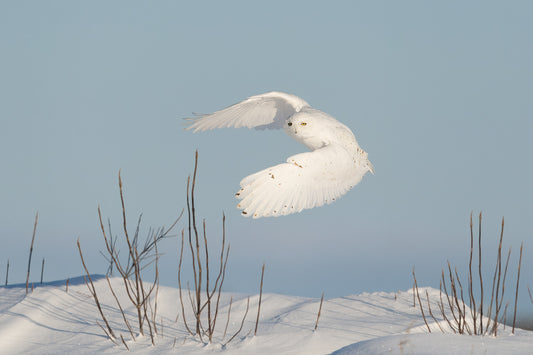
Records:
x=334, y=165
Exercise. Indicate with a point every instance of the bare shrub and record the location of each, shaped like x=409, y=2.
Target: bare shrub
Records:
x=203, y=299
x=453, y=307
x=142, y=295
x=205, y=308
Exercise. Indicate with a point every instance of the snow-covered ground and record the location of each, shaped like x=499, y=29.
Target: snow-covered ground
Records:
x=52, y=321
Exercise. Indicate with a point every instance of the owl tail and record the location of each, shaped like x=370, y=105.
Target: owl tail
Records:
x=370, y=166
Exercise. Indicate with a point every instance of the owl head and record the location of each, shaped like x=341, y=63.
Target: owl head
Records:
x=312, y=128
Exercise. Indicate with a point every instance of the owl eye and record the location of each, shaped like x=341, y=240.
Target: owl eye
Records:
x=303, y=123
x=290, y=124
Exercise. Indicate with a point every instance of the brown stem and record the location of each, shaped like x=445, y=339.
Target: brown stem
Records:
x=134, y=257
x=495, y=293
x=31, y=250
x=222, y=270
x=92, y=289
x=227, y=320
x=179, y=285
x=7, y=272
x=441, y=306
x=517, y=283
x=463, y=312
x=208, y=294
x=450, y=302
x=198, y=261
x=120, y=308
x=260, y=297
x=124, y=342
x=431, y=313
x=472, y=303
x=319, y=310
x=420, y=302
x=480, y=280
x=242, y=322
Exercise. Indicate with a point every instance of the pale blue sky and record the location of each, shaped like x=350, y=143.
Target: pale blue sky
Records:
x=439, y=94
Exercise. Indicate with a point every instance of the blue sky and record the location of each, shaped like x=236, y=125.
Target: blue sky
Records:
x=439, y=94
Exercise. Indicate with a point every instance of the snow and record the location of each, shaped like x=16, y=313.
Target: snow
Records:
x=51, y=320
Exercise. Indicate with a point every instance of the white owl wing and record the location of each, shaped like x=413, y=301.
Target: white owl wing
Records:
x=305, y=181
x=268, y=110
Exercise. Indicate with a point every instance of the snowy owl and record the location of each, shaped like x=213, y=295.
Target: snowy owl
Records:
x=335, y=164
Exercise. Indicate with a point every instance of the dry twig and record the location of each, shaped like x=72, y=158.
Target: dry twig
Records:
x=319, y=310
x=92, y=290
x=260, y=297
x=31, y=251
